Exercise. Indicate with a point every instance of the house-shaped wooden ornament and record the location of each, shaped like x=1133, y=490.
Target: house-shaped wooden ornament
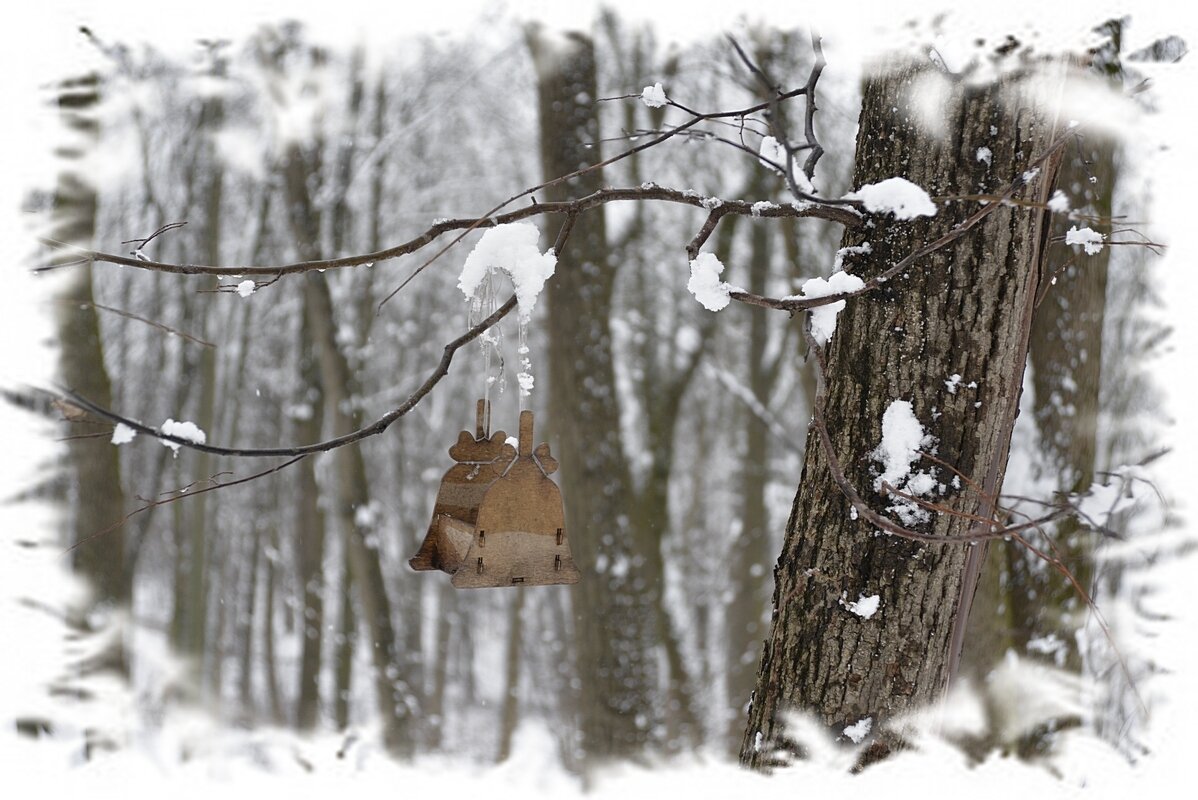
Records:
x=481, y=459
x=498, y=520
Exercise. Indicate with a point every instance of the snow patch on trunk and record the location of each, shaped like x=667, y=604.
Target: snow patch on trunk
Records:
x=903, y=437
x=897, y=196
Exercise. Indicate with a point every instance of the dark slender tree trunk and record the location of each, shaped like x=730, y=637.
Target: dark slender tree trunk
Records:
x=200, y=530
x=613, y=605
x=509, y=715
x=751, y=553
x=346, y=642
x=94, y=465
x=965, y=310
x=247, y=612
x=394, y=696
x=310, y=530
x=270, y=668
x=448, y=629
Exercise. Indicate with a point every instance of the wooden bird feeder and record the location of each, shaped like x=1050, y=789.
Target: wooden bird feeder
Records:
x=498, y=519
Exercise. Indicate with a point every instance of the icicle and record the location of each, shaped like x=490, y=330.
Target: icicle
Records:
x=524, y=377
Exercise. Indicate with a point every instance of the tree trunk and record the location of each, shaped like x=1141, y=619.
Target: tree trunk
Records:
x=449, y=629
x=613, y=608
x=346, y=642
x=310, y=530
x=749, y=561
x=247, y=609
x=93, y=462
x=964, y=310
x=200, y=530
x=351, y=490
x=509, y=716
x=1021, y=598
x=270, y=669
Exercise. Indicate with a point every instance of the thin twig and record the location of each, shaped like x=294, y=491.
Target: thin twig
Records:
x=969, y=223
x=695, y=119
x=170, y=226
x=132, y=316
x=374, y=429
x=179, y=495
x=598, y=198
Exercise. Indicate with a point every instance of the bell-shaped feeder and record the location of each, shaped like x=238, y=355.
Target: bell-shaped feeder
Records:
x=520, y=530
x=481, y=460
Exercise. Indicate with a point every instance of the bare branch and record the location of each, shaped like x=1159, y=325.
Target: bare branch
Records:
x=179, y=494
x=582, y=204
x=959, y=230
x=129, y=315
x=170, y=226
x=374, y=429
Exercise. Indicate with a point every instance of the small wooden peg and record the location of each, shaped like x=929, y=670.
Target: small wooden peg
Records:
x=525, y=434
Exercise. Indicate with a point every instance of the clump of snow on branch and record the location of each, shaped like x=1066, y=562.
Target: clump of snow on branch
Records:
x=859, y=729
x=897, y=196
x=864, y=606
x=1058, y=203
x=182, y=430
x=246, y=288
x=774, y=153
x=903, y=437
x=513, y=249
x=122, y=434
x=863, y=249
x=705, y=283
x=1088, y=238
x=985, y=155
x=762, y=206
x=654, y=96
x=823, y=318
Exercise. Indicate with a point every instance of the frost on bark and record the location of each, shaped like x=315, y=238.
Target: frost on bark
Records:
x=965, y=310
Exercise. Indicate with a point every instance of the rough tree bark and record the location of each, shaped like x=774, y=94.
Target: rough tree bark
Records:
x=1021, y=598
x=965, y=310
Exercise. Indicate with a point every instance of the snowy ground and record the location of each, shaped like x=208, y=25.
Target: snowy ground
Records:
x=246, y=763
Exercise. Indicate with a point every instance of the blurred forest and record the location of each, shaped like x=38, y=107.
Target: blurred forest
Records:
x=287, y=601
